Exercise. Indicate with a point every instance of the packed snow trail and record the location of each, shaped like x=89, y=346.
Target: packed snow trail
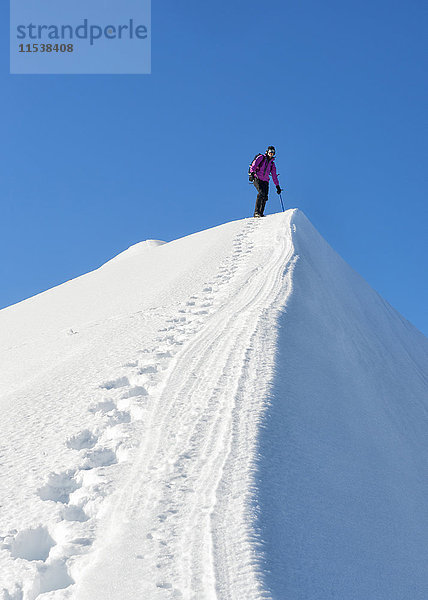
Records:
x=186, y=503
x=152, y=493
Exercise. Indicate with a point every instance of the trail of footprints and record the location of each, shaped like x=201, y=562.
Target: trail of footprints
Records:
x=79, y=493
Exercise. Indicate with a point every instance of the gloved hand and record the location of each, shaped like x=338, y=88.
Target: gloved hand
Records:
x=278, y=189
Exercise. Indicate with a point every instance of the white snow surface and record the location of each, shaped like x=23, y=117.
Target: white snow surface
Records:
x=233, y=415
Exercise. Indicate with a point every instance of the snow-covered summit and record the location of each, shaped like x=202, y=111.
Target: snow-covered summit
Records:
x=235, y=414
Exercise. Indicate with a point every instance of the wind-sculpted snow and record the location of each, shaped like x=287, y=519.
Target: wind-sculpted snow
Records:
x=234, y=415
x=343, y=456
x=140, y=248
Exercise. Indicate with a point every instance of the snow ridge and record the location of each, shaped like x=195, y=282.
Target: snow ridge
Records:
x=233, y=411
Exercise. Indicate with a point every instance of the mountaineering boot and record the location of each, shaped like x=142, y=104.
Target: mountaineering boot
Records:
x=258, y=210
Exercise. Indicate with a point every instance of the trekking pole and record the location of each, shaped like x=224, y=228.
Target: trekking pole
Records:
x=282, y=203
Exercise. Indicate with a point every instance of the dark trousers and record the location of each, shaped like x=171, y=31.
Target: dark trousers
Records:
x=262, y=196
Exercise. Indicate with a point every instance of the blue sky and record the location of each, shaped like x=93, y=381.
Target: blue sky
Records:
x=94, y=163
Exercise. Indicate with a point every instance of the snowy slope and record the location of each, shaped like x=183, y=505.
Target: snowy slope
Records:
x=235, y=414
x=343, y=469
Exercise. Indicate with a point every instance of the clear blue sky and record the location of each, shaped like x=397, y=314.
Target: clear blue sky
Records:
x=93, y=164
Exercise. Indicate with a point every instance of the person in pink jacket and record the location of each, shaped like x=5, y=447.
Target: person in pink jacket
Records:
x=261, y=168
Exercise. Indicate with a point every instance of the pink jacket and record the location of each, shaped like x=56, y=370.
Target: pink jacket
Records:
x=262, y=167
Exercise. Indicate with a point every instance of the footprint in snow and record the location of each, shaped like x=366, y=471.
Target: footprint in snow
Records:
x=35, y=545
x=104, y=406
x=147, y=369
x=176, y=320
x=167, y=514
x=165, y=354
x=117, y=417
x=100, y=457
x=82, y=541
x=164, y=585
x=135, y=391
x=84, y=439
x=54, y=576
x=15, y=594
x=168, y=339
x=74, y=513
x=32, y=544
x=115, y=383
x=59, y=486
x=131, y=364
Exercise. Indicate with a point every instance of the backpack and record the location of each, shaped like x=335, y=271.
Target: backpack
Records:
x=266, y=164
x=256, y=156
